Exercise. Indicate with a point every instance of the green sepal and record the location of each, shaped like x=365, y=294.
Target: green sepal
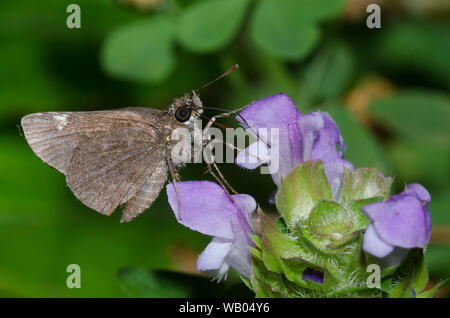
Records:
x=412, y=274
x=300, y=190
x=364, y=183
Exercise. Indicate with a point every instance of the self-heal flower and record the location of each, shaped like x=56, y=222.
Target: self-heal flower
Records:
x=207, y=208
x=301, y=137
x=401, y=221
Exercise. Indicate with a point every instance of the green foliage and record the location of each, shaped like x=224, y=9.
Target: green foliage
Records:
x=358, y=137
x=419, y=115
x=411, y=276
x=208, y=26
x=125, y=52
x=139, y=282
x=417, y=47
x=329, y=75
x=288, y=29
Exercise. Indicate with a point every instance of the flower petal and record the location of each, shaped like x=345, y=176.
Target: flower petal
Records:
x=334, y=171
x=214, y=254
x=418, y=191
x=247, y=205
x=328, y=141
x=253, y=156
x=205, y=207
x=239, y=258
x=400, y=221
x=313, y=275
x=374, y=245
x=310, y=125
x=277, y=112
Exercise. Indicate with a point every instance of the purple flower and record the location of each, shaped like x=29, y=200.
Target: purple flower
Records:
x=301, y=137
x=401, y=221
x=207, y=208
x=313, y=275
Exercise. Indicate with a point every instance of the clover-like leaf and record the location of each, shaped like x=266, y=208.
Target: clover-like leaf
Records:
x=422, y=115
x=281, y=29
x=209, y=25
x=289, y=29
x=140, y=51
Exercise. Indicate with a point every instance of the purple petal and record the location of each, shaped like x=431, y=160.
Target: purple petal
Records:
x=205, y=207
x=334, y=171
x=277, y=111
x=310, y=125
x=247, y=205
x=374, y=245
x=214, y=254
x=253, y=156
x=313, y=275
x=274, y=111
x=418, y=191
x=400, y=221
x=239, y=257
x=321, y=137
x=313, y=136
x=328, y=141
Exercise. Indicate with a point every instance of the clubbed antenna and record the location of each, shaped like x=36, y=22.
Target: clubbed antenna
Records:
x=231, y=69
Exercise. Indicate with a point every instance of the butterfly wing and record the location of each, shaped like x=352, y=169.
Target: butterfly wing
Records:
x=147, y=194
x=54, y=135
x=108, y=157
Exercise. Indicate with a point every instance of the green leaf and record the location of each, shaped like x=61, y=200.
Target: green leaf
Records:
x=300, y=190
x=430, y=292
x=140, y=282
x=140, y=51
x=317, y=10
x=439, y=208
x=423, y=161
x=416, y=114
x=417, y=46
x=412, y=275
x=328, y=75
x=364, y=183
x=209, y=25
x=283, y=29
x=277, y=242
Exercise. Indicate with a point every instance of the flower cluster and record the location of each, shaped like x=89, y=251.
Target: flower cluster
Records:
x=333, y=220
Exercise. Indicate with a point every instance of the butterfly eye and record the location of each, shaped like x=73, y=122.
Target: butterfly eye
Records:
x=183, y=114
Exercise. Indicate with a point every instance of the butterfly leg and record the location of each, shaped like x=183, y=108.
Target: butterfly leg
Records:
x=214, y=118
x=175, y=178
x=211, y=163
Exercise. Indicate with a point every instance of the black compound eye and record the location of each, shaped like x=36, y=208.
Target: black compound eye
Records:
x=183, y=114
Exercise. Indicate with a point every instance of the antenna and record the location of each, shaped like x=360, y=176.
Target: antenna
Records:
x=231, y=69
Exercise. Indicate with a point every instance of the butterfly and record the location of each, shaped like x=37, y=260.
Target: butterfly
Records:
x=113, y=157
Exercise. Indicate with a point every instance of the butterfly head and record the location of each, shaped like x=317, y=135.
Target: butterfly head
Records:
x=187, y=108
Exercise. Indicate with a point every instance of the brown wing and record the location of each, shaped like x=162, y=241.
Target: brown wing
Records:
x=148, y=193
x=108, y=157
x=54, y=135
x=110, y=169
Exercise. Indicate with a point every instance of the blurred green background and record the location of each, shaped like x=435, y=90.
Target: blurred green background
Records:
x=387, y=89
